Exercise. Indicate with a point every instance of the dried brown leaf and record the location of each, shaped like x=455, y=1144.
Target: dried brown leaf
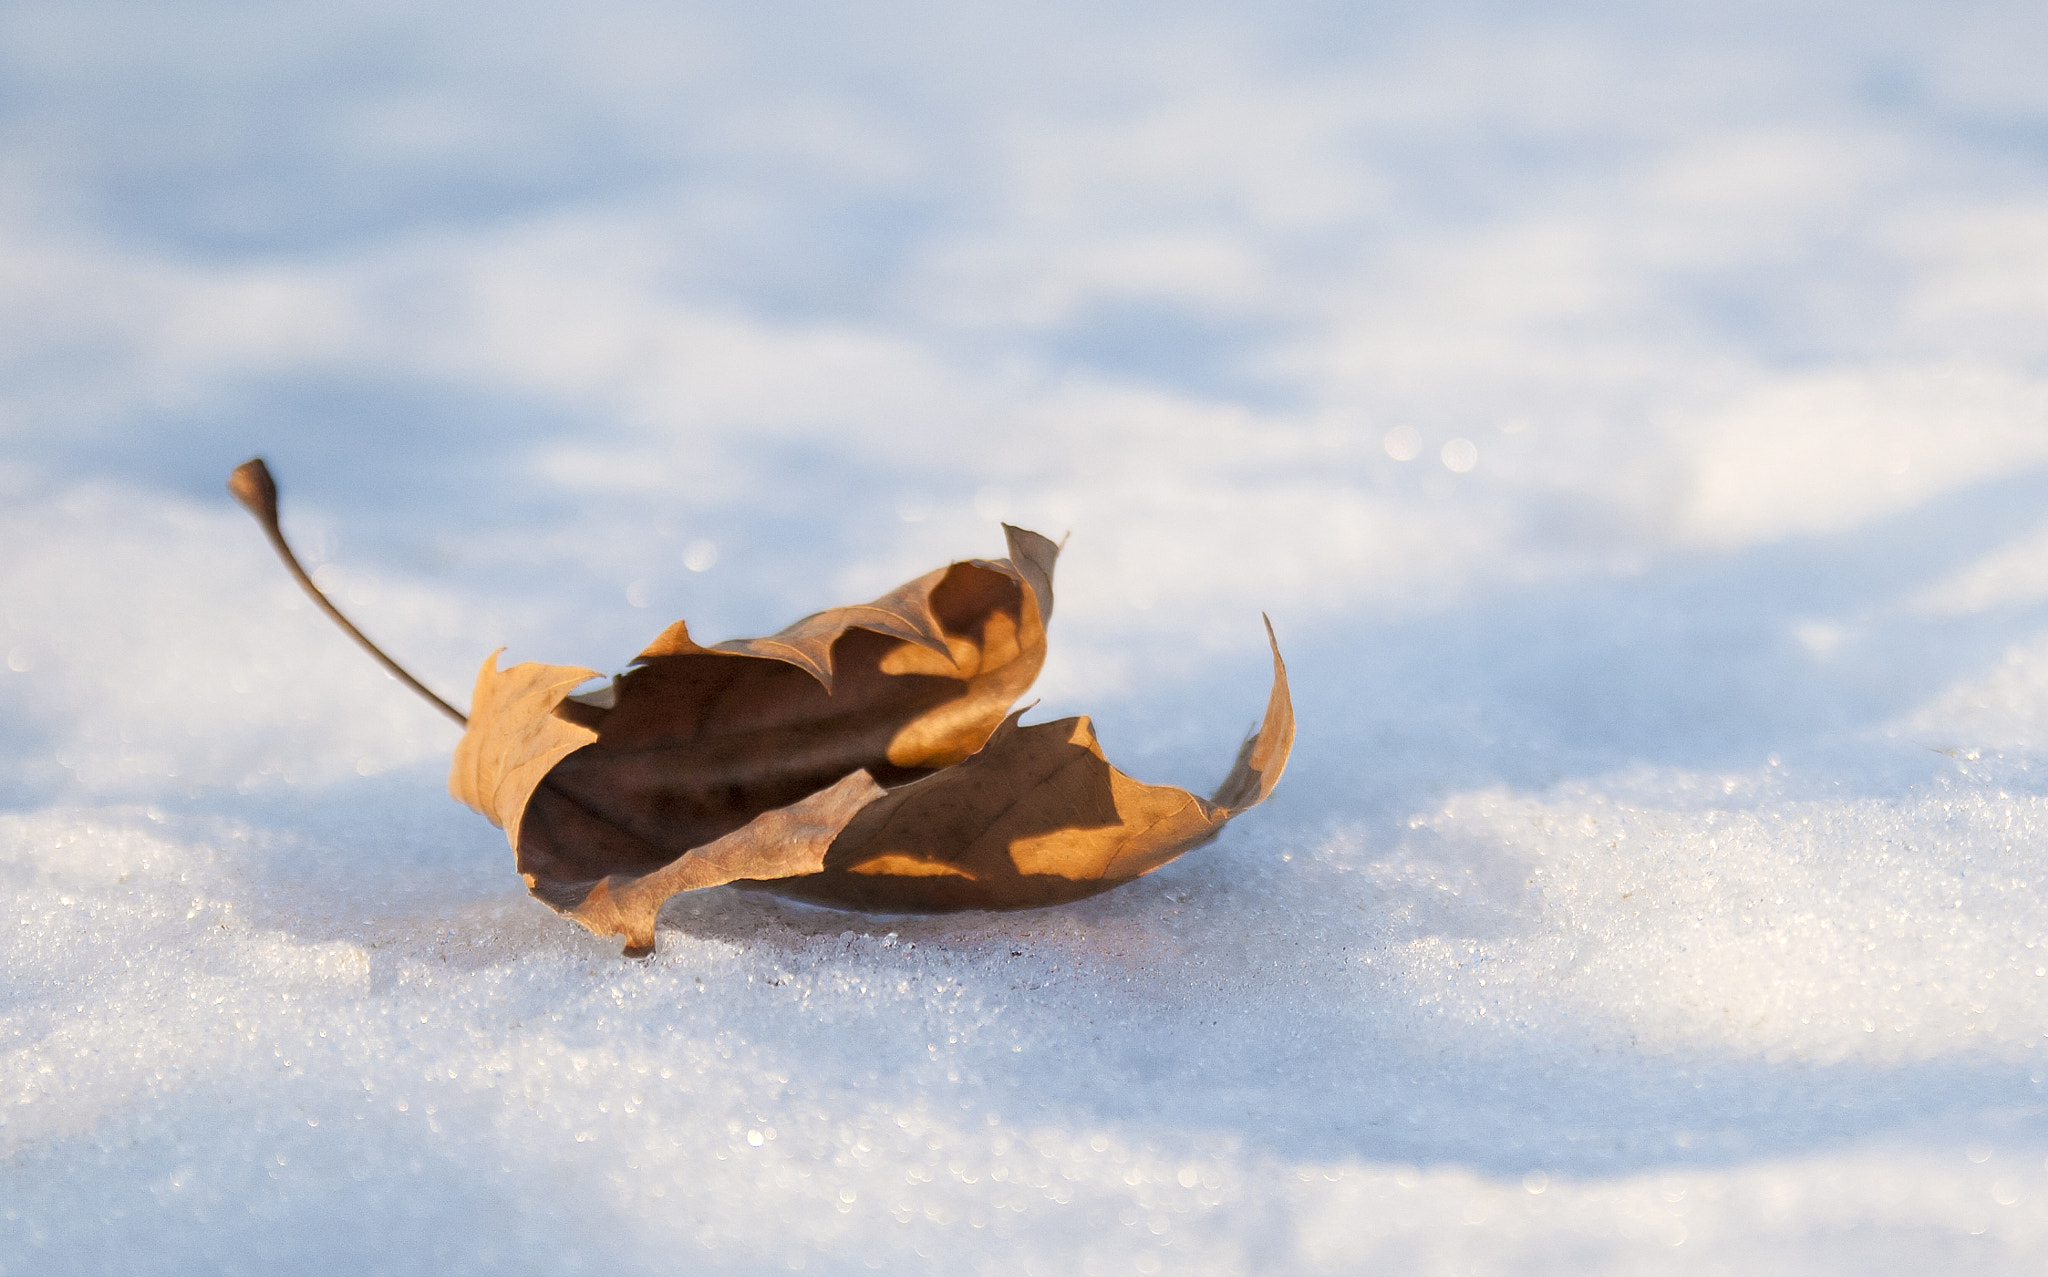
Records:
x=863, y=757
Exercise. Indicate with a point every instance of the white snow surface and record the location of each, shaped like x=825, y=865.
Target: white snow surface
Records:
x=1633, y=418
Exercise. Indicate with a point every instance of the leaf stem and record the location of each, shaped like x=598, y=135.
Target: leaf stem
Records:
x=252, y=485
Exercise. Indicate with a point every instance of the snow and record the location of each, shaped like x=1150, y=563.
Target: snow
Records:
x=1635, y=421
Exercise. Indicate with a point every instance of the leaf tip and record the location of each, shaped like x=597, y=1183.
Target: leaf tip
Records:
x=1273, y=641
x=1033, y=556
x=673, y=641
x=1263, y=756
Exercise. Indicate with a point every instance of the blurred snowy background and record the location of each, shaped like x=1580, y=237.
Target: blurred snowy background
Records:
x=1634, y=418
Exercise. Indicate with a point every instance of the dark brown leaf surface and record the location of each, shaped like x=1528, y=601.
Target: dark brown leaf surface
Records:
x=863, y=757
